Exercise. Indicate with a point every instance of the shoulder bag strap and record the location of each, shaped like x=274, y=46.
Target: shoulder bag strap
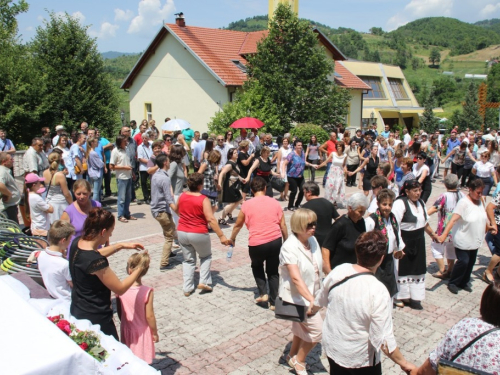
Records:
x=347, y=279
x=472, y=342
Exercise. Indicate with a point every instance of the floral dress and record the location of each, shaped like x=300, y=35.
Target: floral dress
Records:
x=209, y=179
x=483, y=355
x=335, y=184
x=445, y=205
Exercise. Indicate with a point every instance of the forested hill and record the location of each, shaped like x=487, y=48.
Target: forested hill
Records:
x=460, y=37
x=258, y=23
x=493, y=24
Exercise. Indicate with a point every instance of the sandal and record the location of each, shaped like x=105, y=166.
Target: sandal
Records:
x=131, y=218
x=299, y=368
x=486, y=279
x=439, y=275
x=122, y=219
x=261, y=299
x=222, y=222
x=230, y=217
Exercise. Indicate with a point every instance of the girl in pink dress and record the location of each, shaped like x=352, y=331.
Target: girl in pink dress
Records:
x=135, y=308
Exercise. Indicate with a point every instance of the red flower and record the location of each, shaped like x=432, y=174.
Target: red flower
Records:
x=64, y=326
x=84, y=346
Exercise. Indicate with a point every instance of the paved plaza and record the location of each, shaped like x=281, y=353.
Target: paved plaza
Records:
x=225, y=332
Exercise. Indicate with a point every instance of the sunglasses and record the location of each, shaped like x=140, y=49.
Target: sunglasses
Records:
x=420, y=158
x=168, y=140
x=221, y=140
x=311, y=225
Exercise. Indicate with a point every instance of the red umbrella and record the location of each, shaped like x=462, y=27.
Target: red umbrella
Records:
x=247, y=123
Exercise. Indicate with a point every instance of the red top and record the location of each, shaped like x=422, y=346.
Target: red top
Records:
x=191, y=216
x=331, y=146
x=138, y=138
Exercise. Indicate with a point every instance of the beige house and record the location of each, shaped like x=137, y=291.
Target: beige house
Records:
x=190, y=72
x=390, y=100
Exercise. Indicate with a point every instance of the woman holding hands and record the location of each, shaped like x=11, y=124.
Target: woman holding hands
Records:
x=93, y=279
x=335, y=182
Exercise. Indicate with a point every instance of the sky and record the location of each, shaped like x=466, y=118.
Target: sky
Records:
x=130, y=25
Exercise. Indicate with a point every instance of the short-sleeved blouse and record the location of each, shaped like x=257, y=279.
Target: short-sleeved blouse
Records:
x=484, y=355
x=484, y=170
x=459, y=156
x=89, y=296
x=77, y=219
x=296, y=164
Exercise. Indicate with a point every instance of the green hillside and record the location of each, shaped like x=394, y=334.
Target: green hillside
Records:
x=460, y=37
x=493, y=24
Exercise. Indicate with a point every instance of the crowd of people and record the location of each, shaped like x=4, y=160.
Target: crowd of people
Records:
x=194, y=182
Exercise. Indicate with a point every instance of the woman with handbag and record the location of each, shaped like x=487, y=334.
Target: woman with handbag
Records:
x=230, y=180
x=266, y=233
x=358, y=320
x=300, y=279
x=472, y=342
x=283, y=153
x=263, y=168
x=208, y=168
x=58, y=194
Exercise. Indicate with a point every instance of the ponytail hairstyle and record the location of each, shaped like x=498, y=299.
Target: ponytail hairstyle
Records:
x=97, y=220
x=136, y=260
x=90, y=140
x=54, y=161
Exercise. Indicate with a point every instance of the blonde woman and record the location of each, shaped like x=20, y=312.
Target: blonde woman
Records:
x=300, y=279
x=153, y=130
x=96, y=168
x=58, y=194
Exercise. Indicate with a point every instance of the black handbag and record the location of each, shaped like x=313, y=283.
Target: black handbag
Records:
x=289, y=311
x=209, y=194
x=277, y=184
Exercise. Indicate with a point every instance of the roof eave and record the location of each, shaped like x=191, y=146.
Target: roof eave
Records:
x=143, y=59
x=329, y=44
x=179, y=39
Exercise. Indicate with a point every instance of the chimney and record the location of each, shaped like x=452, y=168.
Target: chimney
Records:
x=179, y=20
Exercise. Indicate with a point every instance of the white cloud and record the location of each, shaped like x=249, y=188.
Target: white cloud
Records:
x=123, y=15
x=420, y=8
x=106, y=31
x=489, y=9
x=151, y=14
x=76, y=15
x=30, y=28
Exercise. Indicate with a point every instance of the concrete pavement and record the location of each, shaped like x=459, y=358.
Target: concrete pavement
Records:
x=224, y=332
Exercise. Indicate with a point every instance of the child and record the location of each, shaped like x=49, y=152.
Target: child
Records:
x=38, y=208
x=135, y=308
x=53, y=264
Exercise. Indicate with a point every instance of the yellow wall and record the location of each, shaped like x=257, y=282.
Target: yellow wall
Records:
x=354, y=119
x=177, y=86
x=273, y=4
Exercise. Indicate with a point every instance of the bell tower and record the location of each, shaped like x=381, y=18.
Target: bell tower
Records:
x=273, y=4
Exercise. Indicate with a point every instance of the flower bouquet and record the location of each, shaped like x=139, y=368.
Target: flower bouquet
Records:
x=87, y=340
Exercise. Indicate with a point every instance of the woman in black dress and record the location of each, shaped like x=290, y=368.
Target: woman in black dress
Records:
x=385, y=221
x=230, y=180
x=244, y=164
x=93, y=279
x=263, y=168
x=370, y=164
x=338, y=246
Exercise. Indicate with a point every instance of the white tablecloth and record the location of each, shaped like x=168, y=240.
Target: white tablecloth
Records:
x=31, y=344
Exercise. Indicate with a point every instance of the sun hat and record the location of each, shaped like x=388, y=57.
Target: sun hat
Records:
x=31, y=178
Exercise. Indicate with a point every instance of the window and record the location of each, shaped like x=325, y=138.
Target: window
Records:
x=397, y=88
x=240, y=66
x=148, y=108
x=376, y=91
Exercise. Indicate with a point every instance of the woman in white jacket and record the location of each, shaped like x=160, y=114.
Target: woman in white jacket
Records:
x=300, y=278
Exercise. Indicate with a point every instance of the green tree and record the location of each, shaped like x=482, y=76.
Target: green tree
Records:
x=291, y=70
x=434, y=57
x=470, y=117
x=429, y=122
x=74, y=84
x=377, y=31
x=8, y=21
x=493, y=82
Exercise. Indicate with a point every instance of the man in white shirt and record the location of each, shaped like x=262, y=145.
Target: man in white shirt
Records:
x=144, y=153
x=59, y=131
x=120, y=163
x=32, y=160
x=52, y=262
x=406, y=137
x=223, y=148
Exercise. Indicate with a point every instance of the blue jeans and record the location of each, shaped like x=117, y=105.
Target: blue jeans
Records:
x=96, y=188
x=124, y=197
x=328, y=165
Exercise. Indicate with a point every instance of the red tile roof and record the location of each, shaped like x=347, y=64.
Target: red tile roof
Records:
x=345, y=78
x=216, y=49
